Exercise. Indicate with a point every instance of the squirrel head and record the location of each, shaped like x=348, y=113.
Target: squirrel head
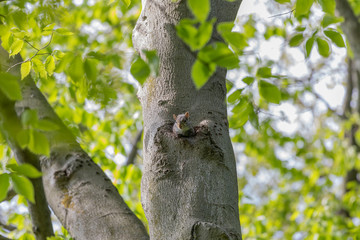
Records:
x=181, y=119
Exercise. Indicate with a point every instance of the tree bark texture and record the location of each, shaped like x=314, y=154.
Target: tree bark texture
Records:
x=351, y=28
x=9, y=126
x=78, y=191
x=189, y=185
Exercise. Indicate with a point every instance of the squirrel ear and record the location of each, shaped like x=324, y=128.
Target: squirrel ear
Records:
x=174, y=116
x=187, y=114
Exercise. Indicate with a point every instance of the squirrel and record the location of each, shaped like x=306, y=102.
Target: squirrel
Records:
x=182, y=126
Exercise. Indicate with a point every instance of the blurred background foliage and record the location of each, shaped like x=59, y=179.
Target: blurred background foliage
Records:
x=292, y=145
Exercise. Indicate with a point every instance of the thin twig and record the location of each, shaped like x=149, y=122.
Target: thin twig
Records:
x=31, y=45
x=281, y=14
x=37, y=53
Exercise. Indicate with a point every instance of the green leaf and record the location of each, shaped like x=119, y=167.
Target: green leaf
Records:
x=203, y=34
x=29, y=118
x=328, y=6
x=300, y=28
x=186, y=31
x=38, y=143
x=90, y=67
x=25, y=169
x=296, y=40
x=200, y=8
x=225, y=27
x=50, y=65
x=254, y=118
x=235, y=96
x=329, y=19
x=20, y=19
x=241, y=113
x=248, y=80
x=282, y=1
x=39, y=68
x=46, y=125
x=23, y=186
x=201, y=72
x=236, y=40
x=23, y=138
x=4, y=185
x=25, y=69
x=9, y=86
x=323, y=47
x=127, y=2
x=303, y=7
x=193, y=37
x=153, y=61
x=140, y=70
x=16, y=47
x=76, y=69
x=263, y=72
x=269, y=92
x=335, y=37
x=309, y=45
x=220, y=54
x=63, y=31
x=49, y=27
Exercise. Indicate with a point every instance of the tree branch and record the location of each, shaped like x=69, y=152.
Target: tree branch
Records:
x=74, y=184
x=133, y=153
x=10, y=125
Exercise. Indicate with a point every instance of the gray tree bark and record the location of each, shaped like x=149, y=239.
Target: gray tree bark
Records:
x=351, y=28
x=189, y=186
x=78, y=191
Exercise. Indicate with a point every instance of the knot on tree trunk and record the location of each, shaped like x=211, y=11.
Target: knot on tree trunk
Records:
x=207, y=230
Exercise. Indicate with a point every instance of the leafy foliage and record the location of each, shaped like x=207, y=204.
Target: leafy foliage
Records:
x=78, y=54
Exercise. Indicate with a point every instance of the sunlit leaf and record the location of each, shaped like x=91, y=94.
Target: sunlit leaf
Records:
x=200, y=8
x=264, y=72
x=220, y=54
x=140, y=70
x=4, y=185
x=330, y=19
x=63, y=31
x=235, y=96
x=76, y=68
x=29, y=118
x=269, y=92
x=23, y=138
x=309, y=45
x=296, y=40
x=201, y=72
x=9, y=86
x=23, y=186
x=323, y=47
x=90, y=67
x=153, y=61
x=328, y=6
x=46, y=125
x=335, y=37
x=16, y=47
x=39, y=68
x=25, y=169
x=303, y=7
x=38, y=143
x=248, y=80
x=50, y=65
x=25, y=69
x=49, y=27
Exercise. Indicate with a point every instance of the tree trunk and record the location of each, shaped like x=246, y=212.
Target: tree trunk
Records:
x=351, y=28
x=189, y=186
